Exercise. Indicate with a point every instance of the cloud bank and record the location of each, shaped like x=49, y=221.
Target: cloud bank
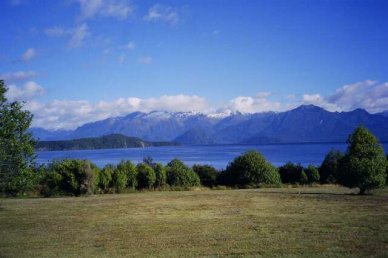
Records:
x=28, y=91
x=69, y=114
x=369, y=95
x=18, y=76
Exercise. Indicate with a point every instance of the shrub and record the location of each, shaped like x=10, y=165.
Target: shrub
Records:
x=70, y=177
x=26, y=181
x=106, y=177
x=329, y=167
x=303, y=178
x=251, y=168
x=386, y=171
x=312, y=174
x=291, y=173
x=145, y=176
x=125, y=175
x=119, y=180
x=207, y=174
x=161, y=177
x=364, y=163
x=178, y=174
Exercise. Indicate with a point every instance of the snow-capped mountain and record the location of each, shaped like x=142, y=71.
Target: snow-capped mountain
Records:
x=306, y=123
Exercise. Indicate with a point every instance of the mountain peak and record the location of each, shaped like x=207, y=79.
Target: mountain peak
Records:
x=308, y=107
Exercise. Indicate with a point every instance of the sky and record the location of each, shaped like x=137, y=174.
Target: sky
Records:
x=78, y=61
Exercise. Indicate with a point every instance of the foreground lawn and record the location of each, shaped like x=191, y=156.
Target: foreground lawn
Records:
x=308, y=222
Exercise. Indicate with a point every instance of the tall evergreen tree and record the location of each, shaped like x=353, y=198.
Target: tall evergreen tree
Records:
x=16, y=144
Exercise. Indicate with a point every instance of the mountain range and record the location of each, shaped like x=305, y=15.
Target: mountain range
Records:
x=304, y=124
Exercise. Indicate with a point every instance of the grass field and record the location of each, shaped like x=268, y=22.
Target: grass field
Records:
x=285, y=222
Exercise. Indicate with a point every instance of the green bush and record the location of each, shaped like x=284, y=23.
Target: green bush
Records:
x=125, y=175
x=178, y=174
x=291, y=173
x=329, y=168
x=207, y=174
x=251, y=168
x=161, y=177
x=70, y=177
x=364, y=164
x=106, y=177
x=303, y=178
x=145, y=176
x=25, y=182
x=312, y=174
x=386, y=171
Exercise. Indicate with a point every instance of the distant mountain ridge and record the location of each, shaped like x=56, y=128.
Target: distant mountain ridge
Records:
x=304, y=124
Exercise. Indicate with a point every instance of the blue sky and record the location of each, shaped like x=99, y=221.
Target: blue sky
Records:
x=76, y=61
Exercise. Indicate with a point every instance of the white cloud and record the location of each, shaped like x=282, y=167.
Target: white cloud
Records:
x=162, y=13
x=369, y=95
x=145, y=60
x=258, y=103
x=18, y=76
x=318, y=100
x=131, y=45
x=78, y=35
x=55, y=32
x=28, y=91
x=119, y=9
x=29, y=54
x=69, y=114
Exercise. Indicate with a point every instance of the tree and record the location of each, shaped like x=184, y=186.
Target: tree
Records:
x=291, y=173
x=178, y=174
x=161, y=177
x=16, y=144
x=207, y=174
x=386, y=171
x=312, y=174
x=126, y=176
x=71, y=177
x=119, y=179
x=303, y=178
x=149, y=161
x=329, y=167
x=106, y=176
x=251, y=168
x=364, y=163
x=145, y=176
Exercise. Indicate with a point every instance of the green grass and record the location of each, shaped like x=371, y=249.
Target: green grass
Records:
x=284, y=222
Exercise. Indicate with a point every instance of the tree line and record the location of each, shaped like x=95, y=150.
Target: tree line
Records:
x=363, y=165
x=111, y=141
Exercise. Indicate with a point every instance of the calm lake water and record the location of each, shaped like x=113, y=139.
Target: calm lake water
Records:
x=217, y=155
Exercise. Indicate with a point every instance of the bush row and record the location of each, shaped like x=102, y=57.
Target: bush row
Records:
x=72, y=177
x=80, y=177
x=364, y=165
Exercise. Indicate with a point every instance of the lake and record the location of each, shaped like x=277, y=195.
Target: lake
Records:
x=216, y=155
